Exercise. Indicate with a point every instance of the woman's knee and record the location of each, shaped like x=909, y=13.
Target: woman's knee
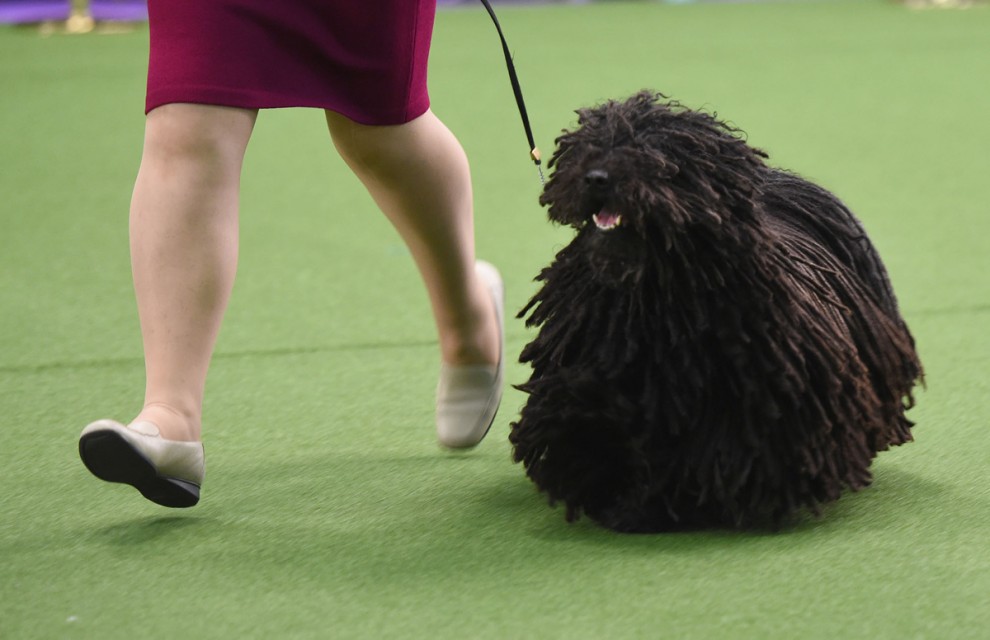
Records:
x=378, y=149
x=358, y=144
x=206, y=135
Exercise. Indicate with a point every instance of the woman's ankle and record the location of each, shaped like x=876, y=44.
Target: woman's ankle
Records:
x=172, y=423
x=477, y=343
x=464, y=354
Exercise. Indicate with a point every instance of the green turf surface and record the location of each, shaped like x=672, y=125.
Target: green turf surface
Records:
x=328, y=510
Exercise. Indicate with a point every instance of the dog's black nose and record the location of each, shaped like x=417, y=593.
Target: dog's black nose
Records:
x=596, y=179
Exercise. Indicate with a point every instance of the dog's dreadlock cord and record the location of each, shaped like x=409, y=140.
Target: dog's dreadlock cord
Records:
x=534, y=153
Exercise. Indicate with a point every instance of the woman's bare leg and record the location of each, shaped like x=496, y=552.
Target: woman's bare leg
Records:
x=418, y=175
x=183, y=228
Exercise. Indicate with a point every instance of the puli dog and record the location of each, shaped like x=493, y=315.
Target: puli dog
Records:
x=719, y=345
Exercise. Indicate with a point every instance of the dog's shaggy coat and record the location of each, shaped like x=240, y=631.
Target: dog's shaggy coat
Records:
x=719, y=345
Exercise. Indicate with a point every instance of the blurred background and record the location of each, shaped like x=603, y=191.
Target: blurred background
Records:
x=83, y=15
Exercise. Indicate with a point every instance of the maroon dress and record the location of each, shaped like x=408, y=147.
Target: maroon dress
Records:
x=365, y=59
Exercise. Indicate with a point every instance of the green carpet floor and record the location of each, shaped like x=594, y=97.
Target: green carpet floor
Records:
x=329, y=511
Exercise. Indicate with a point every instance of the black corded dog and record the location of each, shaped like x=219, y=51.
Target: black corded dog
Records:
x=719, y=345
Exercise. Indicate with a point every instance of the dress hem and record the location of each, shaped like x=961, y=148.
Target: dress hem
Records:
x=260, y=100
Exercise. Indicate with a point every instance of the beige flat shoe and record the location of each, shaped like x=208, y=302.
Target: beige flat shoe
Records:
x=167, y=472
x=468, y=396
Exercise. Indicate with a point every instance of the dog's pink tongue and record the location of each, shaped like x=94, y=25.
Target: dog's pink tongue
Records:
x=606, y=219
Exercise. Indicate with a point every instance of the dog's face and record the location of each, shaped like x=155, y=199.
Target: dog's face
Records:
x=641, y=175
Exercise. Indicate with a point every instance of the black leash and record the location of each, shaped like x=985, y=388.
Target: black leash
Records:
x=534, y=153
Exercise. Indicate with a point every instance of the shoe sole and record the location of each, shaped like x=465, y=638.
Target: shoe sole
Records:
x=109, y=457
x=498, y=402
x=498, y=300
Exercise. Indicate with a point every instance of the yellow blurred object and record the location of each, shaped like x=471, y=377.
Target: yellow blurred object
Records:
x=79, y=22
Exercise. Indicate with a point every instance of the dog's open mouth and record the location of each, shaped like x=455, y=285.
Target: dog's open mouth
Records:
x=607, y=220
